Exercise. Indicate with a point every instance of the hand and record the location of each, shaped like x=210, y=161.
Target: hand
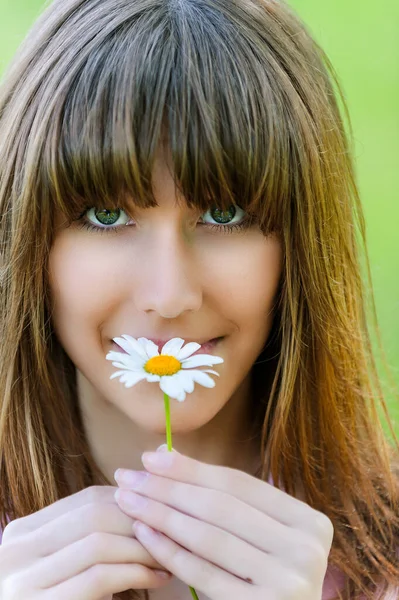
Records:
x=226, y=533
x=82, y=546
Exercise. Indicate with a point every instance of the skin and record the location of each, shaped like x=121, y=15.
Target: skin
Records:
x=224, y=532
x=220, y=529
x=164, y=275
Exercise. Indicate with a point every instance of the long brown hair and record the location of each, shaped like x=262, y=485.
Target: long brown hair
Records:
x=250, y=108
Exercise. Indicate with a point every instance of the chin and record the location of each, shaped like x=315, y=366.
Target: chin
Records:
x=182, y=420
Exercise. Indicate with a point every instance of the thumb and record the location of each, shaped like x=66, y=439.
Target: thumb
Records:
x=164, y=448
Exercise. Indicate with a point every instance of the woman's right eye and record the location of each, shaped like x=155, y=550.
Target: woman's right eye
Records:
x=101, y=219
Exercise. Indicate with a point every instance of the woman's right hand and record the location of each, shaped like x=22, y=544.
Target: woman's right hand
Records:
x=79, y=548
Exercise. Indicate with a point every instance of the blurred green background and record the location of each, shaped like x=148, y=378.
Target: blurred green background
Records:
x=360, y=38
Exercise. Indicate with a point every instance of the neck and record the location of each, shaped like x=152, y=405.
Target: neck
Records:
x=116, y=441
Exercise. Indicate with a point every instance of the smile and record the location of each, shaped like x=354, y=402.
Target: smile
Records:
x=206, y=348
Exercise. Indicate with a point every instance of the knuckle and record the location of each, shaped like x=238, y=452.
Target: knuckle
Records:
x=209, y=544
x=10, y=560
x=311, y=557
x=93, y=494
x=170, y=520
x=181, y=563
x=14, y=529
x=178, y=559
x=236, y=478
x=296, y=586
x=213, y=505
x=207, y=501
x=13, y=587
x=93, y=516
x=95, y=543
x=212, y=545
x=201, y=539
x=227, y=477
x=142, y=575
x=175, y=492
x=220, y=505
x=96, y=577
x=325, y=527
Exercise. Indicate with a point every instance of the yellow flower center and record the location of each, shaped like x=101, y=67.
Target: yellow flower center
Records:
x=163, y=365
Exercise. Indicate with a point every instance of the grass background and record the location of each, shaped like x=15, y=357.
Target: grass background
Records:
x=360, y=39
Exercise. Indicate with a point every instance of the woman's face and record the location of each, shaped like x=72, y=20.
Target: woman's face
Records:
x=167, y=273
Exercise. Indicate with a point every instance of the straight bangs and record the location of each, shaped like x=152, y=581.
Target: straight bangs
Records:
x=186, y=79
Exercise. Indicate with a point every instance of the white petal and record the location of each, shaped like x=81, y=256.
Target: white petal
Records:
x=171, y=386
x=131, y=382
x=150, y=348
x=126, y=367
x=172, y=347
x=135, y=346
x=210, y=371
x=202, y=378
x=116, y=355
x=153, y=378
x=128, y=378
x=127, y=347
x=188, y=350
x=117, y=374
x=128, y=359
x=186, y=381
x=201, y=360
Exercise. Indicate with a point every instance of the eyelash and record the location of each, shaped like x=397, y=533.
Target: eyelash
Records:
x=225, y=229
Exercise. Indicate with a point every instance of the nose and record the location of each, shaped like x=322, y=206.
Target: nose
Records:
x=169, y=279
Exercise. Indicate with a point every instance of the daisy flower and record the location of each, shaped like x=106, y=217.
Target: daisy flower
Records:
x=175, y=369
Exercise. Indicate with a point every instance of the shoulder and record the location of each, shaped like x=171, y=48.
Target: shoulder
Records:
x=334, y=582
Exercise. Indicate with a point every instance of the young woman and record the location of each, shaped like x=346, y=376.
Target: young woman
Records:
x=180, y=168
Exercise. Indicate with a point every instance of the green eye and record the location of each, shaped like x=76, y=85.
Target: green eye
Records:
x=223, y=216
x=232, y=216
x=107, y=217
x=103, y=217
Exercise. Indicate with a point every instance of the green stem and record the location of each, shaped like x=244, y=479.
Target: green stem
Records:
x=169, y=444
x=168, y=427
x=194, y=593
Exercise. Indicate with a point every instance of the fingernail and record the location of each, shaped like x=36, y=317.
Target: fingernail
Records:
x=160, y=460
x=163, y=574
x=130, y=479
x=164, y=448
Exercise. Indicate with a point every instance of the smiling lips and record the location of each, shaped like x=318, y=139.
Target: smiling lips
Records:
x=206, y=348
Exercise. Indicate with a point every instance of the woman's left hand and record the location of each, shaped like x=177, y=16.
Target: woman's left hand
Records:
x=226, y=533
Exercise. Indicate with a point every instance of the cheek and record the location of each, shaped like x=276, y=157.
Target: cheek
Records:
x=83, y=284
x=248, y=280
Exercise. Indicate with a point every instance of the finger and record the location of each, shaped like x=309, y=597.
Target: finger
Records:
x=75, y=525
x=259, y=494
x=216, y=508
x=213, y=581
x=104, y=579
x=97, y=548
x=94, y=494
x=207, y=541
x=192, y=570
